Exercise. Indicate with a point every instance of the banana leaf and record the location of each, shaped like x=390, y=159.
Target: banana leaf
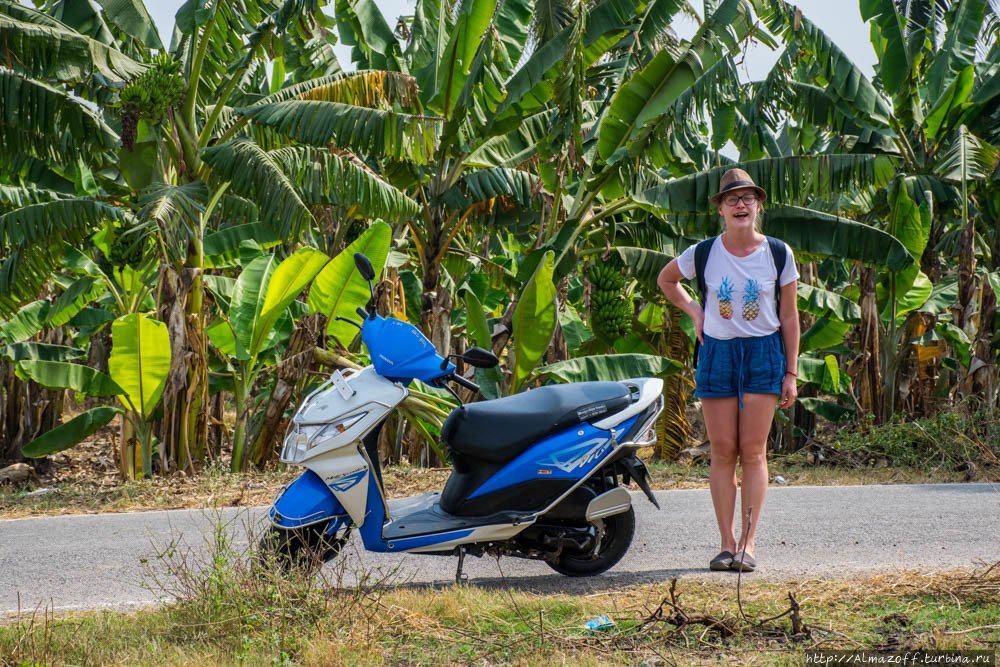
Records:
x=608, y=367
x=534, y=321
x=247, y=301
x=140, y=361
x=41, y=352
x=339, y=289
x=823, y=334
x=69, y=434
x=64, y=375
x=288, y=280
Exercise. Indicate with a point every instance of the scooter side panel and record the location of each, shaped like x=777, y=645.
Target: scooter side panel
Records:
x=372, y=531
x=304, y=502
x=345, y=474
x=572, y=454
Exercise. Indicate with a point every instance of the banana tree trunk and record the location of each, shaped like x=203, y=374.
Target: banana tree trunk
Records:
x=435, y=312
x=966, y=274
x=298, y=361
x=870, y=394
x=982, y=376
x=183, y=429
x=966, y=294
x=673, y=428
x=217, y=426
x=26, y=412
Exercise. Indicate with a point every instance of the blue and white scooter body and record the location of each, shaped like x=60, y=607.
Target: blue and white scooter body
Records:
x=334, y=437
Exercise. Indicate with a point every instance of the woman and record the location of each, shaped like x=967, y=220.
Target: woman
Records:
x=748, y=355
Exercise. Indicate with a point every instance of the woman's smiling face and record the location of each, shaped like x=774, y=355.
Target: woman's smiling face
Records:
x=737, y=213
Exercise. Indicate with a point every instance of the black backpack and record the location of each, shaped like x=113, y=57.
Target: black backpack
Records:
x=778, y=253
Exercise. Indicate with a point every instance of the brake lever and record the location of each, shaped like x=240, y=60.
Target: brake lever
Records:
x=344, y=319
x=442, y=383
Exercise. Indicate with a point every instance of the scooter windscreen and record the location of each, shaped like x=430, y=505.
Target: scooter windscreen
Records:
x=401, y=352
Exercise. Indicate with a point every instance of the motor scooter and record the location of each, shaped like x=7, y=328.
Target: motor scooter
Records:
x=540, y=474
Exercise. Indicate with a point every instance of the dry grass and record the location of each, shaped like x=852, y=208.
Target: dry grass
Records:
x=232, y=619
x=75, y=494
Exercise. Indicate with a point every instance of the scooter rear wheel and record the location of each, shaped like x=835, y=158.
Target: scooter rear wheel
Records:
x=618, y=532
x=304, y=549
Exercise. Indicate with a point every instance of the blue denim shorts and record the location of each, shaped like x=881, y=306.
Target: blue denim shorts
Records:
x=737, y=366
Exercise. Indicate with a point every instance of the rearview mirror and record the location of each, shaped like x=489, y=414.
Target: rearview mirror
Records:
x=480, y=358
x=364, y=266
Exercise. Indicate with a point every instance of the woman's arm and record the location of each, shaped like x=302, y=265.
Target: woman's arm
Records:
x=789, y=316
x=669, y=282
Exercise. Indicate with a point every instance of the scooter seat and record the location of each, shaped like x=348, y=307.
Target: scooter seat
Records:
x=497, y=431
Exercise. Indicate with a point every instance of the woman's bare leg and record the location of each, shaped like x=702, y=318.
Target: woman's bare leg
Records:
x=754, y=425
x=721, y=423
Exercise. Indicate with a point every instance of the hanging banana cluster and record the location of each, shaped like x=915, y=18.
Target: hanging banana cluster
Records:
x=128, y=247
x=150, y=96
x=610, y=308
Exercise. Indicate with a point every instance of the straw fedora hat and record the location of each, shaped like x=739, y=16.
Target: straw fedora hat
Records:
x=734, y=179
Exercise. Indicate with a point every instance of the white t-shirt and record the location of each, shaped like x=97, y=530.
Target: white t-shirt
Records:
x=740, y=296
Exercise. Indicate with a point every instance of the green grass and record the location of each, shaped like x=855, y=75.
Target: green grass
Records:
x=462, y=625
x=947, y=439
x=233, y=611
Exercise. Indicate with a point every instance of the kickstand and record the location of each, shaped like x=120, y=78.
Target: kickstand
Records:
x=459, y=576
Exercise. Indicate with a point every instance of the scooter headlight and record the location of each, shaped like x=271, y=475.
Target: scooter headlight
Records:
x=300, y=438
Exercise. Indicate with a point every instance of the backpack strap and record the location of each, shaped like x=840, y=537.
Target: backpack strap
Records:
x=779, y=253
x=701, y=252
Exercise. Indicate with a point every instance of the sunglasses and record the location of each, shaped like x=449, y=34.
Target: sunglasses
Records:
x=732, y=200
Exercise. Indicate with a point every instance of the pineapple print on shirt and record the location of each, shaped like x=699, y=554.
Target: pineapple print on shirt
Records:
x=726, y=299
x=751, y=300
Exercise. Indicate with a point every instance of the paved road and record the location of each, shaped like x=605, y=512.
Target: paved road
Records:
x=88, y=561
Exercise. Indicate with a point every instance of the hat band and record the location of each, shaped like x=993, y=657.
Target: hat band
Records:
x=739, y=184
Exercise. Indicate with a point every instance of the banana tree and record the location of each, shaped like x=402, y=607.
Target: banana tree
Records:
x=248, y=332
x=533, y=323
x=933, y=93
x=471, y=133
x=137, y=373
x=181, y=166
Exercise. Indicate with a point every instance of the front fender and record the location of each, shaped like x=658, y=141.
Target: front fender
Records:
x=306, y=501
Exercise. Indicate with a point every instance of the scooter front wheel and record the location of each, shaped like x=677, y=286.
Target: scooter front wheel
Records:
x=304, y=549
x=618, y=532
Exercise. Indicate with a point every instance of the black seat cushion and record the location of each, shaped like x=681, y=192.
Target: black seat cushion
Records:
x=499, y=430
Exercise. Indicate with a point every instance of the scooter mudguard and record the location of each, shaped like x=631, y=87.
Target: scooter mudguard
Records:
x=640, y=475
x=306, y=501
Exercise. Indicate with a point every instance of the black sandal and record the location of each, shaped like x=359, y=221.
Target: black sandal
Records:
x=743, y=563
x=723, y=561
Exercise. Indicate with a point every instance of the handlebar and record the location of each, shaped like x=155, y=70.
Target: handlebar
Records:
x=468, y=384
x=363, y=313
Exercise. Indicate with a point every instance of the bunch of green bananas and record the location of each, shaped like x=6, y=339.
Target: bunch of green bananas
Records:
x=610, y=308
x=127, y=247
x=151, y=95
x=156, y=90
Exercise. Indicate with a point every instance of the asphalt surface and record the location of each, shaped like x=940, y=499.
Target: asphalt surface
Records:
x=113, y=560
